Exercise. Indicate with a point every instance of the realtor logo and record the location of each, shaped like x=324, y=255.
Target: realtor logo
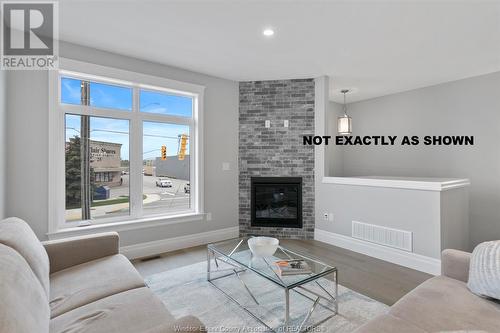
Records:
x=29, y=35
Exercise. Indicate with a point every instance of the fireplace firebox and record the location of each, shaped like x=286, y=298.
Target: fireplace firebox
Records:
x=276, y=202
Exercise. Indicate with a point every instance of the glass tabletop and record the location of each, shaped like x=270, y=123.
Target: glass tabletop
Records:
x=238, y=251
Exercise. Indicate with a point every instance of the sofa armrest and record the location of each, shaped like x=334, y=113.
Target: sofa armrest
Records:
x=455, y=264
x=73, y=251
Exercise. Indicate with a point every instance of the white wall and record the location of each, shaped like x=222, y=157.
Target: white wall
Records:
x=334, y=155
x=3, y=144
x=410, y=210
x=27, y=137
x=465, y=107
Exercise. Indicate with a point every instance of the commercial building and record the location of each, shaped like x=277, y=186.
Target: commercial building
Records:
x=172, y=167
x=105, y=160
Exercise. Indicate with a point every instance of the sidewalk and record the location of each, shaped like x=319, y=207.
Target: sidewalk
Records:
x=101, y=211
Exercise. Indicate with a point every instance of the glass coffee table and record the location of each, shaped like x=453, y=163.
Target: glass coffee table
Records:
x=233, y=258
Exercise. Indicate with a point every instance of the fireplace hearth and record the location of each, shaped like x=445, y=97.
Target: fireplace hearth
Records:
x=276, y=202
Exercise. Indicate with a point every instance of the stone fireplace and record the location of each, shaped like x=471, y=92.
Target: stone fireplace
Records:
x=276, y=171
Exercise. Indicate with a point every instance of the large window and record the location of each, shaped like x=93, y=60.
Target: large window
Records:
x=128, y=150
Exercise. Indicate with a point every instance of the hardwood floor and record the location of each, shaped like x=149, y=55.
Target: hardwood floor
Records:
x=372, y=277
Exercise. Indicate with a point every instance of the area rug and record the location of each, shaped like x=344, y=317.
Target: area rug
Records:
x=185, y=291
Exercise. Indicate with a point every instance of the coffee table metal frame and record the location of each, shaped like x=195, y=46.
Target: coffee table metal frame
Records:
x=237, y=268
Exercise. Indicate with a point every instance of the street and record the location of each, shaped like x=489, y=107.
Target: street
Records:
x=164, y=199
x=158, y=200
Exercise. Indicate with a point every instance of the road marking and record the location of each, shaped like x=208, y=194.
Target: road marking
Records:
x=169, y=193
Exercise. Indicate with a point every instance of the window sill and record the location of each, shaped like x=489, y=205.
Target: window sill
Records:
x=142, y=223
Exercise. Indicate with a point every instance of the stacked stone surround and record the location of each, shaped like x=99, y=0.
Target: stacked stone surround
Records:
x=276, y=151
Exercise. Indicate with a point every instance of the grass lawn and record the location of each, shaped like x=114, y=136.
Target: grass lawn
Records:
x=119, y=200
x=114, y=201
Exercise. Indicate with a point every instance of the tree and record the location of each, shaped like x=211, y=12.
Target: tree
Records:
x=73, y=173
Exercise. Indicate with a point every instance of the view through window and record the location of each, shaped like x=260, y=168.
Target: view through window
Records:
x=108, y=152
x=98, y=154
x=166, y=178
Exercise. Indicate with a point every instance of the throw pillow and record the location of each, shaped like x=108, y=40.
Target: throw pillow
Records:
x=484, y=272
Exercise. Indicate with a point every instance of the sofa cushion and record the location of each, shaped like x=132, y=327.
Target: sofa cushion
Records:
x=18, y=235
x=388, y=324
x=23, y=302
x=444, y=304
x=91, y=281
x=136, y=310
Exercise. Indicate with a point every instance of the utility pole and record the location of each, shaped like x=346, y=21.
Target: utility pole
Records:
x=85, y=153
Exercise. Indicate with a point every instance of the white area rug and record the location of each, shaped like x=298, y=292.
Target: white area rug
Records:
x=186, y=291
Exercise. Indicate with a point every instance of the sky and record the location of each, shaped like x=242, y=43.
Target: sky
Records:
x=155, y=134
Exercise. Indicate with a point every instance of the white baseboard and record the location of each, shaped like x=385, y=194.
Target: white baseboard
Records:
x=176, y=243
x=395, y=256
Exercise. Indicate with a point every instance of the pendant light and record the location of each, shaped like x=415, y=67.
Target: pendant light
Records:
x=344, y=123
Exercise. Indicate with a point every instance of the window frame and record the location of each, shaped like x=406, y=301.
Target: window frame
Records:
x=137, y=81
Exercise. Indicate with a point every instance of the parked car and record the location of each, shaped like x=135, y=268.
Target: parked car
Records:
x=187, y=188
x=162, y=182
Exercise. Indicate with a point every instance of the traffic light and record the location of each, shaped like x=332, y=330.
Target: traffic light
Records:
x=182, y=150
x=163, y=153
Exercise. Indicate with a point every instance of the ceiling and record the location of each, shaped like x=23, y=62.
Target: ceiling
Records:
x=375, y=47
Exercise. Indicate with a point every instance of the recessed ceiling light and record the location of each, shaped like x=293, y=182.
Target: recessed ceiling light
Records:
x=268, y=32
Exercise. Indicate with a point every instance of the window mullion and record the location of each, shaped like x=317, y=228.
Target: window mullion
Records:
x=166, y=118
x=95, y=112
x=86, y=188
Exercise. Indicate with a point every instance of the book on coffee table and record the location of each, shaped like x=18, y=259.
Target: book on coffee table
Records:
x=293, y=267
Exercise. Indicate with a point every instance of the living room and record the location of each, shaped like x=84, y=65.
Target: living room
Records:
x=190, y=166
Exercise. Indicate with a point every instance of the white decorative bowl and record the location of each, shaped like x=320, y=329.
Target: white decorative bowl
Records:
x=263, y=246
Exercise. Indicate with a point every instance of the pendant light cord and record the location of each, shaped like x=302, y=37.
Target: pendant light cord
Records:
x=345, y=91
